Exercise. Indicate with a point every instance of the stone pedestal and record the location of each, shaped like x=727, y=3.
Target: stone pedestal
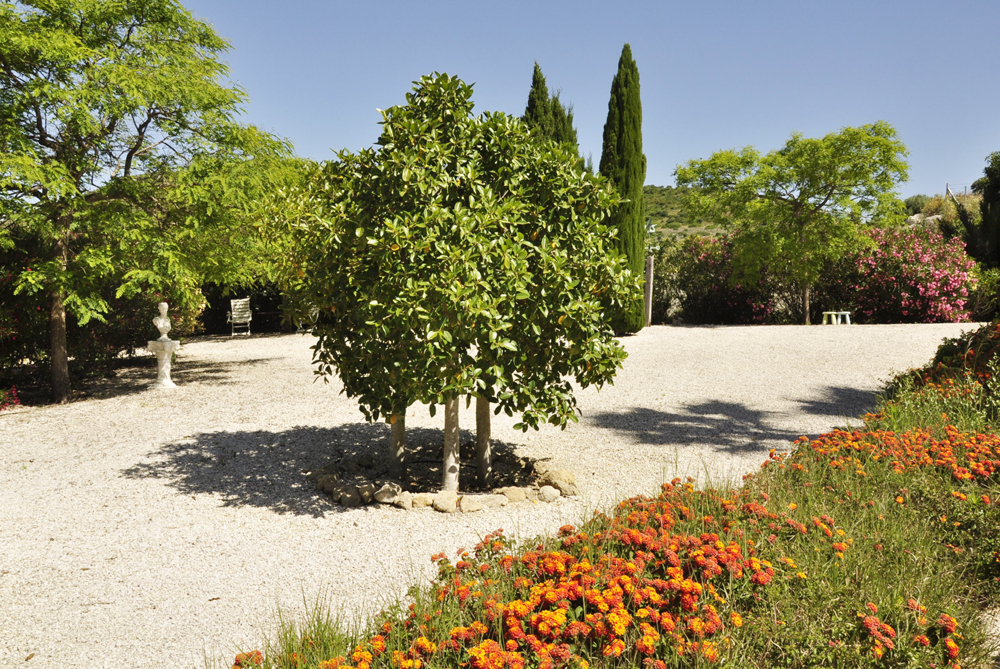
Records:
x=164, y=351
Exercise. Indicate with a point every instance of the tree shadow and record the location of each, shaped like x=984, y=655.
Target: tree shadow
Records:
x=841, y=401
x=277, y=470
x=138, y=377
x=727, y=426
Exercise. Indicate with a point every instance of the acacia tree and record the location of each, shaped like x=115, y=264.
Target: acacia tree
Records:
x=458, y=257
x=800, y=206
x=119, y=155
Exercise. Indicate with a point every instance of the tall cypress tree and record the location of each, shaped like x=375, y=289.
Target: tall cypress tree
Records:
x=623, y=162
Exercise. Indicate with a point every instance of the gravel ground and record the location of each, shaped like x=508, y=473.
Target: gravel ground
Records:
x=152, y=528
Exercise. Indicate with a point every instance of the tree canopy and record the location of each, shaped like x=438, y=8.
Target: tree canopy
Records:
x=800, y=206
x=459, y=256
x=121, y=158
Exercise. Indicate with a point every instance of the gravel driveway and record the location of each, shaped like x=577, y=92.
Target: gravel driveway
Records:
x=160, y=528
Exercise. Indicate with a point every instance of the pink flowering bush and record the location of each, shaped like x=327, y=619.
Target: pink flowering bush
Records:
x=907, y=276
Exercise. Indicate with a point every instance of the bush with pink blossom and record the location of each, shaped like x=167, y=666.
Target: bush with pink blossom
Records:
x=908, y=275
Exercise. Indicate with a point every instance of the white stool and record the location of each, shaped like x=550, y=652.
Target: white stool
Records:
x=836, y=317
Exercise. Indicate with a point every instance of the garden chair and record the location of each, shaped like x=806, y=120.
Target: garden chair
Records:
x=239, y=315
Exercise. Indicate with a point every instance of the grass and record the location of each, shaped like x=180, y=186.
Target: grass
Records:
x=876, y=547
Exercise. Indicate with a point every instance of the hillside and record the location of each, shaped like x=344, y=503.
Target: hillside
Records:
x=664, y=209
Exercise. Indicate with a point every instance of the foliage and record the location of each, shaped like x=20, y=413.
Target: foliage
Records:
x=623, y=162
x=983, y=231
x=904, y=276
x=708, y=291
x=8, y=398
x=120, y=155
x=800, y=207
x=915, y=203
x=459, y=256
x=547, y=115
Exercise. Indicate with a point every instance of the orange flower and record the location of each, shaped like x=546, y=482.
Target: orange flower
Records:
x=951, y=647
x=251, y=659
x=736, y=619
x=614, y=649
x=947, y=623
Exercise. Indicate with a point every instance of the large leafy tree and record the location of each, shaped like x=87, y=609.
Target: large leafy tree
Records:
x=120, y=156
x=803, y=205
x=623, y=162
x=459, y=256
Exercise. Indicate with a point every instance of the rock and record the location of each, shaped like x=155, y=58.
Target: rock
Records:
x=548, y=494
x=541, y=468
x=327, y=482
x=350, y=497
x=562, y=479
x=446, y=501
x=366, y=491
x=386, y=492
x=422, y=499
x=404, y=500
x=468, y=503
x=531, y=494
x=514, y=495
x=494, y=501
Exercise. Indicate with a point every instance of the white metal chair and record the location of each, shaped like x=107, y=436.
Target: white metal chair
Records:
x=239, y=315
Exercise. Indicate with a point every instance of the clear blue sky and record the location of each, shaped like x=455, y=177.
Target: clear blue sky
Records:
x=714, y=75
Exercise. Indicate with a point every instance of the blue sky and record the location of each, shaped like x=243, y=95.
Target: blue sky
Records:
x=714, y=75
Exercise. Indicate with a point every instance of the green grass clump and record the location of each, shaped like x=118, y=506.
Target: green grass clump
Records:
x=876, y=547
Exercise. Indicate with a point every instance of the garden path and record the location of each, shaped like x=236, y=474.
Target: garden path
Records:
x=147, y=529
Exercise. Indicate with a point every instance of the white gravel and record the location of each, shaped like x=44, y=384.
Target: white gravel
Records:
x=160, y=528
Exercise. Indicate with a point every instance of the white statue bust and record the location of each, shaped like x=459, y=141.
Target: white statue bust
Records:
x=162, y=322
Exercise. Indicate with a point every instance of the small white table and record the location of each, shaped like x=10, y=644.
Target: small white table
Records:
x=836, y=317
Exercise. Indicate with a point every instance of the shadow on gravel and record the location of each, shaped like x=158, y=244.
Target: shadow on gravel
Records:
x=277, y=470
x=137, y=377
x=727, y=426
x=849, y=403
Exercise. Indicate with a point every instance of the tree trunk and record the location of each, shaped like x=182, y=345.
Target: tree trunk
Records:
x=57, y=348
x=449, y=478
x=805, y=303
x=484, y=452
x=397, y=447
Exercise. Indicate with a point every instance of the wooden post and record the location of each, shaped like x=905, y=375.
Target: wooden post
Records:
x=649, y=291
x=449, y=477
x=484, y=452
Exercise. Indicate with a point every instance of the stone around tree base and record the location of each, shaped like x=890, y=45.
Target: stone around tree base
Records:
x=468, y=504
x=446, y=501
x=404, y=500
x=548, y=494
x=422, y=499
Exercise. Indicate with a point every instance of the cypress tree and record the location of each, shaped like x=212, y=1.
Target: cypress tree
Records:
x=623, y=162
x=553, y=120
x=989, y=187
x=538, y=113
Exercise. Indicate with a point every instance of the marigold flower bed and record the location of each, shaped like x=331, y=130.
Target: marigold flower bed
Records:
x=680, y=579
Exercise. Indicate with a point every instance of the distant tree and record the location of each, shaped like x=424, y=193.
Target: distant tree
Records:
x=915, y=203
x=460, y=256
x=624, y=164
x=803, y=205
x=120, y=157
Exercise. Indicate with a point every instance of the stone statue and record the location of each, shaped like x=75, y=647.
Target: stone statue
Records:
x=162, y=322
x=164, y=348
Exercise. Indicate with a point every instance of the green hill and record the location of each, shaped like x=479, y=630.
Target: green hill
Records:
x=664, y=209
